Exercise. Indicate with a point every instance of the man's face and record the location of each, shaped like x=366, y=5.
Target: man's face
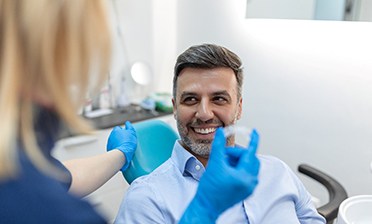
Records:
x=205, y=100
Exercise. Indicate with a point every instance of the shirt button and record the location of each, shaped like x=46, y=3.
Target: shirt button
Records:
x=197, y=167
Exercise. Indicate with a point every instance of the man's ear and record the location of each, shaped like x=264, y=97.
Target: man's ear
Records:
x=174, y=108
x=240, y=108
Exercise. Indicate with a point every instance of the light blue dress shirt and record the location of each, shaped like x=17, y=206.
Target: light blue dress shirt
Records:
x=163, y=195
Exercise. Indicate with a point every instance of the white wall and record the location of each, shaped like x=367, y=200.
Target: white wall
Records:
x=165, y=43
x=134, y=19
x=148, y=31
x=365, y=10
x=308, y=90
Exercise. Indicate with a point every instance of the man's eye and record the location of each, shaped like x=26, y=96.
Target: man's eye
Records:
x=189, y=100
x=220, y=100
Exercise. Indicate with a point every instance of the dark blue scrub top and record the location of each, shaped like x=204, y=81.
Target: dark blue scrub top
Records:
x=34, y=197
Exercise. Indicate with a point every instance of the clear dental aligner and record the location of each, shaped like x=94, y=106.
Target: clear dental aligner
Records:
x=237, y=130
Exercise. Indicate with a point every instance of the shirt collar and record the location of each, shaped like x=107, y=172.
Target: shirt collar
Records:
x=187, y=164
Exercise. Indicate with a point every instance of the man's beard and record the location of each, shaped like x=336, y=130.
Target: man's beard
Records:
x=200, y=147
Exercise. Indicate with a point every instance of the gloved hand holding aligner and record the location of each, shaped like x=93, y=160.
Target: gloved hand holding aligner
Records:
x=224, y=183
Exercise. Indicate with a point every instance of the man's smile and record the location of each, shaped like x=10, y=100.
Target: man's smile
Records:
x=205, y=131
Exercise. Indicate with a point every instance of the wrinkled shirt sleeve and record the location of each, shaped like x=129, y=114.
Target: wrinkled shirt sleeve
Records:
x=140, y=205
x=305, y=209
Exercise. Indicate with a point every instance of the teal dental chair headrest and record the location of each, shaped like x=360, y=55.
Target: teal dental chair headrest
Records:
x=155, y=141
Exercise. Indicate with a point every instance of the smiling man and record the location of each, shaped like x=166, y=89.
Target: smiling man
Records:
x=204, y=100
x=207, y=89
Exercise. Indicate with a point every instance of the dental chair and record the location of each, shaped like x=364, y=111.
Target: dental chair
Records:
x=337, y=193
x=155, y=144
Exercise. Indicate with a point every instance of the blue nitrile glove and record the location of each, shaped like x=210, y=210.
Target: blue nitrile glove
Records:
x=231, y=176
x=125, y=140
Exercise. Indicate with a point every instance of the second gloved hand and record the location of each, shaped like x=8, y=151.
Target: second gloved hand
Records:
x=125, y=140
x=231, y=176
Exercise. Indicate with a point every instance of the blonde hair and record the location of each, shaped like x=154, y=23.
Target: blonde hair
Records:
x=47, y=47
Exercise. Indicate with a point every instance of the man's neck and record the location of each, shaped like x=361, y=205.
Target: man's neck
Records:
x=202, y=159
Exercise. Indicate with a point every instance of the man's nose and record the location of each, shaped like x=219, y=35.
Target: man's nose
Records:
x=204, y=111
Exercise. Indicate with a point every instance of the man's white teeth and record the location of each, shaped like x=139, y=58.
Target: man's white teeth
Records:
x=204, y=130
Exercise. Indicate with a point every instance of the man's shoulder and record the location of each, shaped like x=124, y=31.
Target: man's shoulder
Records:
x=269, y=159
x=157, y=190
x=269, y=162
x=160, y=175
x=158, y=197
